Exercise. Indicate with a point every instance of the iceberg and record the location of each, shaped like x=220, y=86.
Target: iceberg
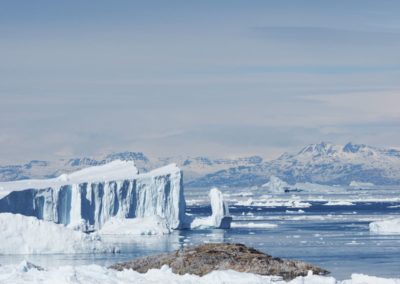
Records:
x=29, y=235
x=90, y=197
x=220, y=218
x=338, y=203
x=276, y=185
x=385, y=227
x=113, y=195
x=116, y=170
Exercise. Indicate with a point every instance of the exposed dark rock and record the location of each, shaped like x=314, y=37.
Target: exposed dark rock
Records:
x=203, y=259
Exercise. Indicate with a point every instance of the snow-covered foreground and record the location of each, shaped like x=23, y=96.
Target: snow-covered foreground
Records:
x=390, y=226
x=27, y=273
x=28, y=235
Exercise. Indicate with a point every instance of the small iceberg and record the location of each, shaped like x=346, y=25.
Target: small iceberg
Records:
x=385, y=227
x=220, y=218
x=277, y=185
x=339, y=203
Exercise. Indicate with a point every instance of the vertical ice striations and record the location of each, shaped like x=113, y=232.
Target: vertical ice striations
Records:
x=88, y=198
x=164, y=197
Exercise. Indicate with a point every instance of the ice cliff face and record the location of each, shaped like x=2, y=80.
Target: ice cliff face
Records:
x=88, y=198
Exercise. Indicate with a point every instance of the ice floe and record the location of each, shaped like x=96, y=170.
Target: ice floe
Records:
x=339, y=203
x=255, y=225
x=389, y=226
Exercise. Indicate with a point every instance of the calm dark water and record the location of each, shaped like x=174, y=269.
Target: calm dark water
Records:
x=336, y=238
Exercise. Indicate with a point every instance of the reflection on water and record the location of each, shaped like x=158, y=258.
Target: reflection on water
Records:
x=130, y=246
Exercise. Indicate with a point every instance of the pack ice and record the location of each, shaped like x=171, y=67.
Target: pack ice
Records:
x=87, y=199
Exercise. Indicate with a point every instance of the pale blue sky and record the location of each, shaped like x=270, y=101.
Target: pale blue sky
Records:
x=218, y=78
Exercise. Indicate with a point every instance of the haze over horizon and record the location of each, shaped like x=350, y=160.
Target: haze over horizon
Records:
x=193, y=78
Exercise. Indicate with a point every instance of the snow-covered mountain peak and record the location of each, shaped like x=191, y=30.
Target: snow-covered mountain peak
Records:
x=353, y=148
x=323, y=163
x=75, y=162
x=319, y=149
x=127, y=156
x=350, y=150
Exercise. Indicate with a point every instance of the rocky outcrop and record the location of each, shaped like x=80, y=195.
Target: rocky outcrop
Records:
x=203, y=259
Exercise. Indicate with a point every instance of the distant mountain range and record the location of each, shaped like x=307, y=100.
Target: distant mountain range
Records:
x=322, y=163
x=193, y=167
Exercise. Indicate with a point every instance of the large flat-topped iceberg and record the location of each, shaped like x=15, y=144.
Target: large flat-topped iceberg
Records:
x=90, y=197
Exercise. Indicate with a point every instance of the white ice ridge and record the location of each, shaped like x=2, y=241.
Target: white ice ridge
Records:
x=219, y=218
x=29, y=235
x=90, y=197
x=252, y=225
x=385, y=227
x=339, y=203
x=113, y=171
x=28, y=273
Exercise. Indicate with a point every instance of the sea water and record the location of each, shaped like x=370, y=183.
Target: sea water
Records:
x=336, y=238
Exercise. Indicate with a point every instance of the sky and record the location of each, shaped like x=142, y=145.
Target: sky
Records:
x=213, y=78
